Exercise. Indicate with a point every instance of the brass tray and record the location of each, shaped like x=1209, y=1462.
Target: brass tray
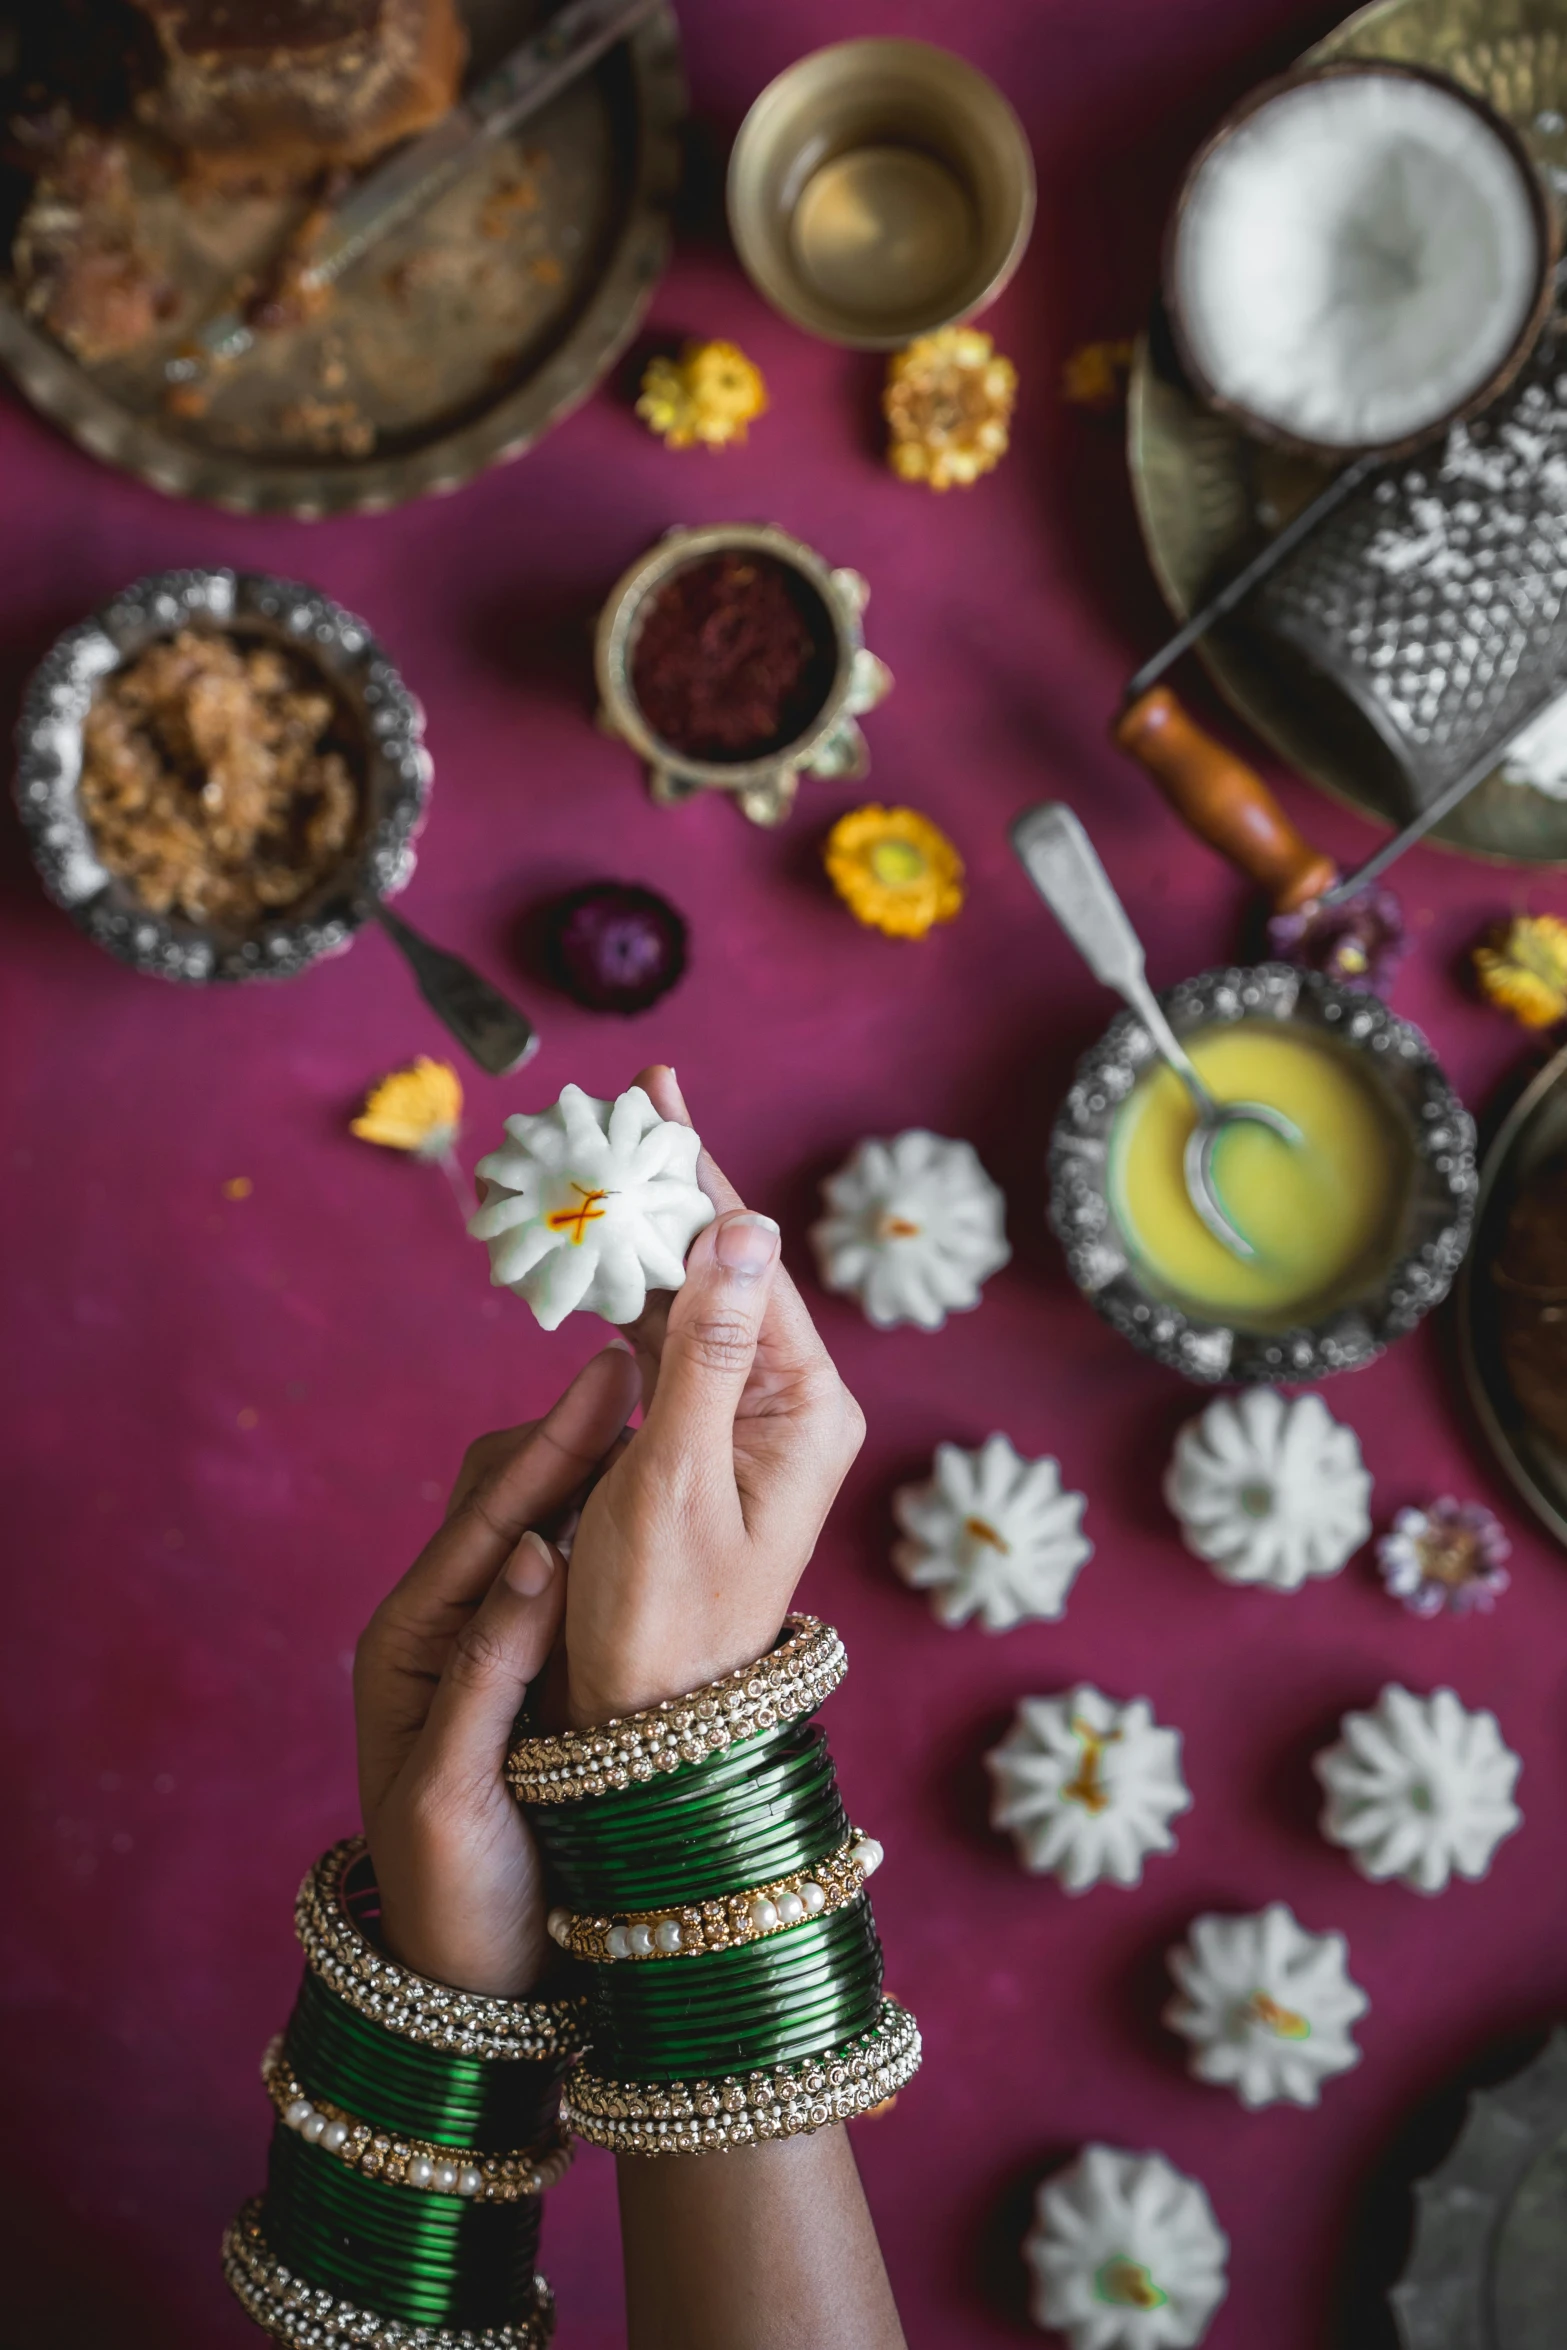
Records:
x=452, y=346
x=1534, y=1129
x=1206, y=495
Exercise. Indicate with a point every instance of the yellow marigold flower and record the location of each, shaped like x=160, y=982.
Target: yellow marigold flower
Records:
x=948, y=403
x=417, y=1109
x=894, y=871
x=1094, y=375
x=1522, y=967
x=709, y=394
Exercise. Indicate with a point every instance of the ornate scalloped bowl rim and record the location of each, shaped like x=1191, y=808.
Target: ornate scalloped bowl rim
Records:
x=1441, y=1209
x=396, y=782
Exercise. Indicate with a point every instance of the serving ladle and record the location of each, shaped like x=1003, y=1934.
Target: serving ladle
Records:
x=1061, y=862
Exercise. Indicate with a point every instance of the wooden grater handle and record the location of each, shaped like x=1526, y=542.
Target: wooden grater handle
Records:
x=1225, y=802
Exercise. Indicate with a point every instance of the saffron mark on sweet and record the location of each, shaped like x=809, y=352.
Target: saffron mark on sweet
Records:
x=1283, y=2020
x=1126, y=2284
x=1088, y=1788
x=576, y=1220
x=898, y=1228
x=978, y=1531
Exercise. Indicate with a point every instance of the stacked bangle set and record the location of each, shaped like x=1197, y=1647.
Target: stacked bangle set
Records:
x=711, y=1889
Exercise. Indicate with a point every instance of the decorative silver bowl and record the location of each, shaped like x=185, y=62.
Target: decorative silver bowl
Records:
x=1438, y=1214
x=394, y=778
x=830, y=746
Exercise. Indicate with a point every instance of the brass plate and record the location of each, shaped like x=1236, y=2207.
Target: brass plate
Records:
x=1206, y=494
x=1534, y=1129
x=452, y=346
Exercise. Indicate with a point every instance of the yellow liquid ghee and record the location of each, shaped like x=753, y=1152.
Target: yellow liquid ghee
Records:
x=1323, y=1214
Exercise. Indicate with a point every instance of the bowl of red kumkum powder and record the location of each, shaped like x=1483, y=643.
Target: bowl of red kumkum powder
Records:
x=731, y=658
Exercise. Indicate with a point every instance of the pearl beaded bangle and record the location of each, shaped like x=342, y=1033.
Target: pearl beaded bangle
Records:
x=792, y=1679
x=464, y=2023
x=306, y=2317
x=707, y=2117
x=411, y=2162
x=724, y=1924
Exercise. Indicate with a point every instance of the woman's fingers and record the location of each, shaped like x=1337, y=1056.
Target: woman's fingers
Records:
x=489, y=1665
x=710, y=1344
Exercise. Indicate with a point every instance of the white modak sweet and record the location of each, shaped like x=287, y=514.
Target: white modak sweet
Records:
x=1087, y=1788
x=1419, y=1788
x=590, y=1205
x=1126, y=2254
x=913, y=1226
x=991, y=1535
x=1269, y=1491
x=1266, y=2006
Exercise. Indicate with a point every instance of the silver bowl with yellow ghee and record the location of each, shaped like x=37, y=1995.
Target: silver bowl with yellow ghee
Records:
x=1357, y=1231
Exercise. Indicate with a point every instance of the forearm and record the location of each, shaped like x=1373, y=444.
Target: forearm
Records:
x=763, y=2248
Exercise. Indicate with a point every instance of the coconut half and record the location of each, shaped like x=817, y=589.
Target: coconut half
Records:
x=1357, y=257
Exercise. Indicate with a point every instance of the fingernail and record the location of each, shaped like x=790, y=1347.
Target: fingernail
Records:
x=531, y=1568
x=619, y=1345
x=745, y=1243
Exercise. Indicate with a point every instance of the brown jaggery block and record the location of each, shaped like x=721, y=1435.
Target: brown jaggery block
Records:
x=210, y=780
x=1530, y=1276
x=265, y=93
x=80, y=269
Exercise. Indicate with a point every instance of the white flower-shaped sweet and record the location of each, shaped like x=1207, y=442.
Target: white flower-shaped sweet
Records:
x=1087, y=1787
x=1266, y=2006
x=591, y=1204
x=1269, y=1491
x=1126, y=2254
x=1419, y=1787
x=991, y=1535
x=913, y=1226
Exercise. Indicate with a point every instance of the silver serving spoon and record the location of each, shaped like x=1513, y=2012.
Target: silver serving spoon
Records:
x=1061, y=862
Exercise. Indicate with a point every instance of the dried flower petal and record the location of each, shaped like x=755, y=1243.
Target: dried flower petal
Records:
x=417, y=1110
x=1522, y=967
x=1358, y=944
x=894, y=870
x=1446, y=1556
x=708, y=395
x=615, y=947
x=1094, y=375
x=948, y=403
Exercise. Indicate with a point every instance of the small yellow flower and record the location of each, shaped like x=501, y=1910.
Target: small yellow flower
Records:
x=1094, y=375
x=948, y=403
x=417, y=1109
x=1522, y=967
x=894, y=871
x=708, y=395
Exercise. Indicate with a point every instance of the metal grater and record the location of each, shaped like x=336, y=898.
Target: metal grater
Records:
x=1436, y=597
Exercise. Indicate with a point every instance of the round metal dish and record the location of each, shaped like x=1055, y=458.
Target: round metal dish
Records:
x=453, y=346
x=1206, y=493
x=1535, y=1129
x=1437, y=1218
x=1487, y=2269
x=394, y=783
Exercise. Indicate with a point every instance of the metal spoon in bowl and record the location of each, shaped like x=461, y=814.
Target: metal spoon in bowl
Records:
x=1061, y=862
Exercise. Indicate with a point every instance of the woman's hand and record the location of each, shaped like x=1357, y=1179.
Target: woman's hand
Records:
x=438, y=1677
x=690, y=1547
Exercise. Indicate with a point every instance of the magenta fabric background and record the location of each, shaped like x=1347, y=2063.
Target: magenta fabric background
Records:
x=229, y=1424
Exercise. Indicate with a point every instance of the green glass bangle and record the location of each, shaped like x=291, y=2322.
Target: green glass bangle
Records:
x=739, y=2010
x=424, y=2259
x=398, y=2085
x=751, y=1814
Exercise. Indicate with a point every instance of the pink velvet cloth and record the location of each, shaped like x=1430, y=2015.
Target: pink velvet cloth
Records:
x=229, y=1423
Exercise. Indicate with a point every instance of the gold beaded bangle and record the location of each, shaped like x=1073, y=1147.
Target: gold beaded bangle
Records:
x=305, y=2317
x=706, y=2117
x=790, y=1681
x=464, y=2022
x=734, y=1918
x=412, y=2162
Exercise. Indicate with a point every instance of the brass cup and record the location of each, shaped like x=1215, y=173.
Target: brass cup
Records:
x=879, y=190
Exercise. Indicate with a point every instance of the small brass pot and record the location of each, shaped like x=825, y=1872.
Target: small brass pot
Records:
x=879, y=190
x=1438, y=1212
x=831, y=746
